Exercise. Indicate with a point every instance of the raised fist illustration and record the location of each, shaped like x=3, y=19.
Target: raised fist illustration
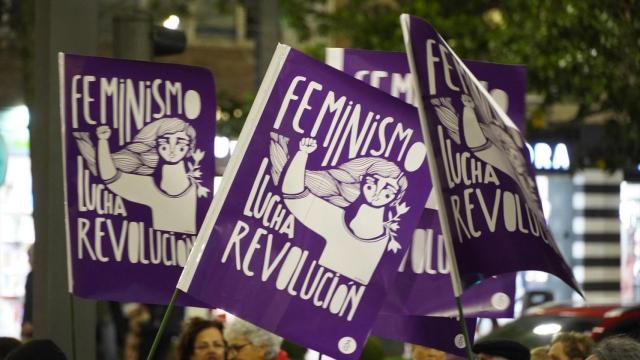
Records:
x=103, y=132
x=308, y=145
x=467, y=101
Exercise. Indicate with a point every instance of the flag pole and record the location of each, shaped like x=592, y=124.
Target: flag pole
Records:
x=73, y=327
x=465, y=330
x=163, y=324
x=456, y=283
x=405, y=22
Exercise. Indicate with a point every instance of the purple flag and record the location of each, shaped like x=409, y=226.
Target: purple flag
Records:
x=389, y=71
x=425, y=269
x=317, y=208
x=480, y=168
x=436, y=332
x=138, y=156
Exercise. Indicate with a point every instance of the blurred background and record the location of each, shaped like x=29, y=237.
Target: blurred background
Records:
x=583, y=101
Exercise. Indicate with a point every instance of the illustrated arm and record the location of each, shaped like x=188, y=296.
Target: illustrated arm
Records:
x=478, y=142
x=294, y=177
x=136, y=188
x=106, y=167
x=313, y=212
x=293, y=182
x=473, y=135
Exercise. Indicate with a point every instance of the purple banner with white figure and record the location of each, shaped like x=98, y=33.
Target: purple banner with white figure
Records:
x=138, y=155
x=316, y=210
x=440, y=333
x=479, y=166
x=425, y=269
x=389, y=71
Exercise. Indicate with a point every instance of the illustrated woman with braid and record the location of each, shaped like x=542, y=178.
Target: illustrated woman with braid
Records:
x=151, y=171
x=346, y=206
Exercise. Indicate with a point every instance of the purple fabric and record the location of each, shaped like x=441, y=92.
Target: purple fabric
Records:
x=425, y=270
x=389, y=71
x=440, y=333
x=316, y=281
x=486, y=179
x=136, y=199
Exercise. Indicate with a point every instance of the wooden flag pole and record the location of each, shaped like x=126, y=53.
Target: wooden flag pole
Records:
x=163, y=324
x=405, y=22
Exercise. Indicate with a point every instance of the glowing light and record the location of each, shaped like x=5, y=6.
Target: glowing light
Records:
x=547, y=329
x=543, y=154
x=536, y=276
x=549, y=157
x=221, y=147
x=172, y=22
x=561, y=157
x=18, y=116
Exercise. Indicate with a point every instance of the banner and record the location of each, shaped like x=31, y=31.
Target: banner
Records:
x=425, y=269
x=436, y=332
x=479, y=166
x=316, y=210
x=389, y=71
x=138, y=165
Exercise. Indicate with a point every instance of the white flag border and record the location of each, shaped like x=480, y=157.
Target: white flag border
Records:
x=63, y=128
x=405, y=21
x=202, y=239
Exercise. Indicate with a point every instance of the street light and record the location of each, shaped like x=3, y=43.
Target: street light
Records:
x=172, y=22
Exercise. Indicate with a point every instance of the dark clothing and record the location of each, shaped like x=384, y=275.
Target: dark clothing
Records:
x=37, y=349
x=27, y=315
x=150, y=329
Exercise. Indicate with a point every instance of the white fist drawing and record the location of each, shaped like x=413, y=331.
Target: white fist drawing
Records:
x=467, y=101
x=103, y=132
x=308, y=145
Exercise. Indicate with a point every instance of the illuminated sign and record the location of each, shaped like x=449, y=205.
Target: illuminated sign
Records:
x=549, y=157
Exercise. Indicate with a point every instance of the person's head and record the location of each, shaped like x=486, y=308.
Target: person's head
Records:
x=246, y=341
x=37, y=349
x=500, y=349
x=173, y=147
x=201, y=339
x=379, y=181
x=616, y=348
x=419, y=352
x=540, y=353
x=570, y=346
x=8, y=344
x=167, y=140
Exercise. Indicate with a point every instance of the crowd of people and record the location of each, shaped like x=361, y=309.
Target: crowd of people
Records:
x=212, y=339
x=563, y=346
x=200, y=339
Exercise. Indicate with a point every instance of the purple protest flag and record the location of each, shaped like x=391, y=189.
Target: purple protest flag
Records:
x=389, y=71
x=436, y=332
x=425, y=269
x=480, y=169
x=138, y=163
x=316, y=210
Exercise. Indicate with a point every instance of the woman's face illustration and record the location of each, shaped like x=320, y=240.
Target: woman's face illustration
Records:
x=379, y=191
x=174, y=147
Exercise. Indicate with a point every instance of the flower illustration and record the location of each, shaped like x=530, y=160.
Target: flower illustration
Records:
x=194, y=173
x=392, y=226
